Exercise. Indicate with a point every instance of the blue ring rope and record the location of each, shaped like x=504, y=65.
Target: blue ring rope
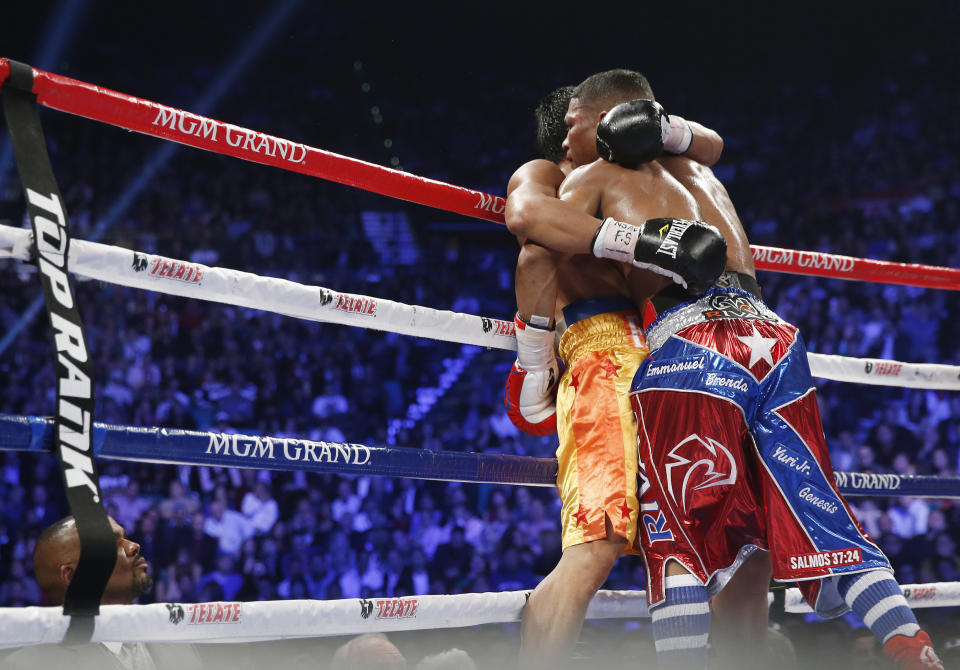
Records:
x=169, y=445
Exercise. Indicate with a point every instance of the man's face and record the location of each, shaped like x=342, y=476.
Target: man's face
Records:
x=581, y=142
x=131, y=573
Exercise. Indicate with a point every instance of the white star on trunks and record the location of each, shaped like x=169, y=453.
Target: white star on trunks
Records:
x=759, y=347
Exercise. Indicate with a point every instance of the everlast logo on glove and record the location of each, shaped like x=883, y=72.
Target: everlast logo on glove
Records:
x=670, y=242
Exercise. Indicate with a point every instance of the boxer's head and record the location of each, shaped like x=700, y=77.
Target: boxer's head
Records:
x=590, y=101
x=551, y=129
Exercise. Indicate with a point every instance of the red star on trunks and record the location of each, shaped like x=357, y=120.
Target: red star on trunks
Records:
x=625, y=510
x=581, y=516
x=611, y=369
x=575, y=381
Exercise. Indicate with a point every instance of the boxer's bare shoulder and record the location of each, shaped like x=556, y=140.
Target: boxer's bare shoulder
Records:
x=716, y=208
x=537, y=174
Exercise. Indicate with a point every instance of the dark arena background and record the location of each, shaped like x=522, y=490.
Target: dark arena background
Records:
x=841, y=132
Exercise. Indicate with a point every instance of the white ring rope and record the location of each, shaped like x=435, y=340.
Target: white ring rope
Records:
x=117, y=265
x=286, y=619
x=151, y=272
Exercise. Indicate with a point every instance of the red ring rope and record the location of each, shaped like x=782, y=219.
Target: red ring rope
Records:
x=150, y=118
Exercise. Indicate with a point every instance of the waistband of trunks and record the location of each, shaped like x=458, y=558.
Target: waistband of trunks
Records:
x=621, y=329
x=744, y=282
x=674, y=294
x=717, y=303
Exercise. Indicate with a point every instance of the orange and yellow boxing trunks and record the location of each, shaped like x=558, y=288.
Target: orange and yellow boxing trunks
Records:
x=602, y=347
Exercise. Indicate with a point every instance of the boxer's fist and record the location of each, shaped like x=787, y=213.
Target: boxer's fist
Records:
x=530, y=399
x=530, y=396
x=633, y=133
x=691, y=253
x=638, y=131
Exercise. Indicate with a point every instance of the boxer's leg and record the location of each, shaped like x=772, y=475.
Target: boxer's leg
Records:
x=681, y=623
x=738, y=629
x=793, y=450
x=596, y=479
x=555, y=611
x=876, y=598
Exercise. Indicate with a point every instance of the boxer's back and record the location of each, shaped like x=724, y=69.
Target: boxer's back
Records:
x=716, y=208
x=635, y=196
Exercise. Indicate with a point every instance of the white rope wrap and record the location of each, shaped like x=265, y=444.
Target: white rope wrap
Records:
x=919, y=596
x=116, y=265
x=285, y=619
x=885, y=373
x=282, y=619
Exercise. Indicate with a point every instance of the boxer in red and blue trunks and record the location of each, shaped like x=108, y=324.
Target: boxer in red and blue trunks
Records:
x=732, y=446
x=726, y=407
x=735, y=460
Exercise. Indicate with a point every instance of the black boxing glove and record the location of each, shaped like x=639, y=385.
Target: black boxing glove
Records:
x=638, y=131
x=632, y=133
x=691, y=253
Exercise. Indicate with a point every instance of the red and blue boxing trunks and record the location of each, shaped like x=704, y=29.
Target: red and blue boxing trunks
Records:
x=733, y=456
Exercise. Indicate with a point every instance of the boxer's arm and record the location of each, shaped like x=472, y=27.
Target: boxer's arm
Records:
x=690, y=253
x=639, y=131
x=535, y=213
x=706, y=145
x=530, y=394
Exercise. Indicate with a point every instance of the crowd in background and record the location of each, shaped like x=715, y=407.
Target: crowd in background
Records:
x=882, y=182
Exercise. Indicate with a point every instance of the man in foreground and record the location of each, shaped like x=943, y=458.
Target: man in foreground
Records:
x=57, y=553
x=55, y=559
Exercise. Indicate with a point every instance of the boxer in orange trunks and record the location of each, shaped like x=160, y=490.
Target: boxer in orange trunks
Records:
x=595, y=300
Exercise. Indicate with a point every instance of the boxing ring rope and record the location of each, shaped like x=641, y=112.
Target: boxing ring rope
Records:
x=136, y=269
x=151, y=118
x=235, y=622
x=186, y=447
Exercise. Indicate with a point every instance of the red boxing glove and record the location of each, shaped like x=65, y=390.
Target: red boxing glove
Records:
x=531, y=393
